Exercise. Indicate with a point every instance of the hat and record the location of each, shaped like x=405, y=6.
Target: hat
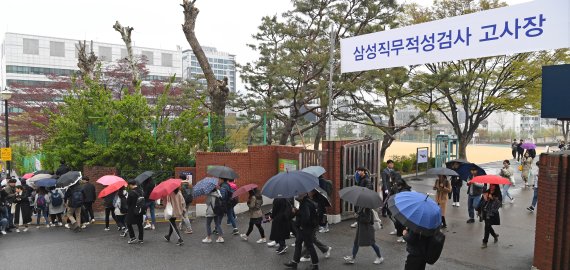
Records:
x=133, y=182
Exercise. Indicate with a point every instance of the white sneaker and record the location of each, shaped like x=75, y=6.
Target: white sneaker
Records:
x=3, y=232
x=379, y=260
x=83, y=226
x=147, y=227
x=220, y=240
x=67, y=225
x=37, y=227
x=25, y=229
x=401, y=240
x=207, y=240
x=328, y=253
x=349, y=259
x=92, y=221
x=393, y=233
x=353, y=225
x=18, y=230
x=457, y=204
x=244, y=237
x=512, y=200
x=60, y=224
x=271, y=244
x=261, y=241
x=47, y=226
x=304, y=259
x=107, y=229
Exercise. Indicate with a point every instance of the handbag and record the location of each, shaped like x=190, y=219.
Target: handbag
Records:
x=13, y=209
x=520, y=168
x=377, y=221
x=168, y=211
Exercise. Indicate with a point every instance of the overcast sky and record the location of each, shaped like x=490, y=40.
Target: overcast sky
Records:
x=225, y=24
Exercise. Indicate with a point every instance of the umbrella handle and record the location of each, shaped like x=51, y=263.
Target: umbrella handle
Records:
x=427, y=196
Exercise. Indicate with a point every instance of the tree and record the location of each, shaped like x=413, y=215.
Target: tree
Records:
x=126, y=37
x=346, y=131
x=475, y=88
x=218, y=90
x=565, y=128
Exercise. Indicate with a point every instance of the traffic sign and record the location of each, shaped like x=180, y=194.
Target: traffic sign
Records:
x=6, y=154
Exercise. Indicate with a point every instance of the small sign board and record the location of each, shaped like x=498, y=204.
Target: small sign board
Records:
x=6, y=154
x=288, y=165
x=422, y=155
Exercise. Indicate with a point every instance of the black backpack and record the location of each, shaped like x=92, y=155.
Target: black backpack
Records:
x=77, y=198
x=434, y=247
x=187, y=194
x=56, y=199
x=219, y=207
x=140, y=206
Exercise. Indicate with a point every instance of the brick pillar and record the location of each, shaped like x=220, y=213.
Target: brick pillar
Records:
x=333, y=166
x=552, y=237
x=95, y=173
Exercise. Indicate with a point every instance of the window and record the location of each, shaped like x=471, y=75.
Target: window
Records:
x=105, y=53
x=166, y=59
x=57, y=49
x=31, y=46
x=149, y=57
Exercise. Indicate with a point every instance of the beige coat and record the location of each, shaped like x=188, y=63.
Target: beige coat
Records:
x=178, y=204
x=527, y=166
x=254, y=205
x=441, y=196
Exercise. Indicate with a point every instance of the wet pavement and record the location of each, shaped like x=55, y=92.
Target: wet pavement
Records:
x=94, y=248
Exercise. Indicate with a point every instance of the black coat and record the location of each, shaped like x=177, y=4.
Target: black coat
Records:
x=281, y=216
x=416, y=244
x=23, y=209
x=365, y=229
x=71, y=190
x=147, y=187
x=63, y=169
x=132, y=217
x=108, y=200
x=89, y=193
x=304, y=218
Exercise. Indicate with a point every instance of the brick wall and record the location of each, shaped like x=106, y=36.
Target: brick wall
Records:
x=333, y=166
x=552, y=237
x=95, y=173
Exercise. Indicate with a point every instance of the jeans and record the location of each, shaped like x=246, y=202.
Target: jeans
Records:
x=120, y=221
x=173, y=228
x=10, y=217
x=305, y=236
x=231, y=217
x=89, y=210
x=257, y=223
x=150, y=206
x=374, y=246
x=399, y=228
x=535, y=198
x=472, y=202
x=42, y=212
x=217, y=222
x=415, y=262
x=110, y=211
x=506, y=192
x=132, y=231
x=3, y=224
x=488, y=230
x=455, y=193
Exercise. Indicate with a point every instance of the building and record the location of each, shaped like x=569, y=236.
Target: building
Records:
x=29, y=59
x=223, y=64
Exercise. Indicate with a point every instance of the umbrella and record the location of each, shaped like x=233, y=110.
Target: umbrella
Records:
x=442, y=171
x=243, y=190
x=204, y=186
x=5, y=182
x=49, y=182
x=459, y=160
x=416, y=211
x=109, y=179
x=490, y=179
x=361, y=197
x=315, y=170
x=165, y=188
x=42, y=172
x=28, y=176
x=289, y=184
x=143, y=177
x=31, y=182
x=528, y=145
x=222, y=172
x=464, y=170
x=68, y=179
x=323, y=195
x=112, y=188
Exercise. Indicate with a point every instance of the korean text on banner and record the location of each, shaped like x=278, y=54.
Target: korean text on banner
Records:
x=534, y=26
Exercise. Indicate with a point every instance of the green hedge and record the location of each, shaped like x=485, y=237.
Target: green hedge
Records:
x=407, y=164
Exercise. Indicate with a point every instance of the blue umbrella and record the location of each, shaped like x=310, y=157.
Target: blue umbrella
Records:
x=464, y=170
x=289, y=184
x=205, y=186
x=49, y=182
x=315, y=170
x=416, y=211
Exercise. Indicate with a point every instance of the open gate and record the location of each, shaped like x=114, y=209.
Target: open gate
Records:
x=360, y=153
x=309, y=158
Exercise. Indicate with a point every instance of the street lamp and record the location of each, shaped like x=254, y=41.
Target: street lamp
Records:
x=6, y=95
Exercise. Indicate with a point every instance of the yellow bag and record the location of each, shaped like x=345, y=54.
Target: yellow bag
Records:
x=520, y=168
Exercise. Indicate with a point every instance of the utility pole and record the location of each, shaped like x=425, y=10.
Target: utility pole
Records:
x=331, y=71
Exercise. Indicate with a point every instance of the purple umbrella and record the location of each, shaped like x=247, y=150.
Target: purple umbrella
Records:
x=528, y=145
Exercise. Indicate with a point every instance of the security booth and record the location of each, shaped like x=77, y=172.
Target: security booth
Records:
x=446, y=149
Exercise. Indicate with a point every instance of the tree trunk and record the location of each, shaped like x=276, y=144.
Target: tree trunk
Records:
x=126, y=37
x=321, y=134
x=86, y=61
x=269, y=131
x=286, y=133
x=463, y=141
x=565, y=129
x=386, y=143
x=218, y=91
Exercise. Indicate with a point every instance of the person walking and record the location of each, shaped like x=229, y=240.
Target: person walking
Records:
x=10, y=190
x=254, y=204
x=147, y=188
x=365, y=236
x=526, y=169
x=386, y=176
x=63, y=169
x=110, y=210
x=363, y=177
x=56, y=207
x=507, y=172
x=74, y=197
x=514, y=148
x=187, y=191
x=327, y=186
x=121, y=210
x=226, y=192
x=520, y=150
x=474, y=191
x=23, y=212
x=90, y=196
x=532, y=206
x=41, y=206
x=325, y=249
x=281, y=215
x=456, y=184
x=135, y=205
x=416, y=246
x=489, y=211
x=442, y=187
x=307, y=222
x=215, y=214
x=175, y=201
x=398, y=186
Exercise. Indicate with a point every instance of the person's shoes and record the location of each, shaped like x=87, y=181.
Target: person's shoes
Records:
x=47, y=226
x=379, y=260
x=328, y=253
x=444, y=226
x=220, y=240
x=293, y=245
x=471, y=220
x=353, y=225
x=188, y=232
x=401, y=240
x=271, y=244
x=393, y=233
x=107, y=229
x=321, y=229
x=261, y=241
x=244, y=237
x=37, y=227
x=141, y=242
x=152, y=227
x=67, y=226
x=305, y=259
x=60, y=224
x=18, y=230
x=496, y=237
x=453, y=204
x=132, y=241
x=84, y=226
x=315, y=267
x=291, y=264
x=147, y=226
x=512, y=200
x=484, y=245
x=349, y=259
x=167, y=238
x=325, y=230
x=235, y=231
x=92, y=221
x=281, y=250
x=180, y=242
x=530, y=209
x=207, y=240
x=124, y=234
x=457, y=204
x=3, y=232
x=25, y=229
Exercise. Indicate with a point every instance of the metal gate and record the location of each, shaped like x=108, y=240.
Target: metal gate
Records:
x=309, y=158
x=359, y=154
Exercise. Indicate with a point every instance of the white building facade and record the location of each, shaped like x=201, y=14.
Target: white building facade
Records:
x=223, y=64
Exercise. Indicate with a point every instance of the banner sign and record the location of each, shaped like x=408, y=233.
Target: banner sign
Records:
x=534, y=26
x=422, y=155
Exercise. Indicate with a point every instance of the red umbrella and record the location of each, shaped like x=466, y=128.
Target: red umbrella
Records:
x=109, y=180
x=28, y=175
x=490, y=179
x=243, y=190
x=112, y=188
x=165, y=188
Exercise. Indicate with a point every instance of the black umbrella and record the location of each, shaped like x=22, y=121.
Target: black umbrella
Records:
x=322, y=196
x=42, y=172
x=464, y=170
x=143, y=177
x=222, y=172
x=289, y=184
x=361, y=197
x=68, y=179
x=449, y=164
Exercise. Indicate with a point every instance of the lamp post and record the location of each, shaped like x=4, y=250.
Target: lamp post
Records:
x=6, y=95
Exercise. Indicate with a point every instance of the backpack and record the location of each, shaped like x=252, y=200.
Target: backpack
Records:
x=314, y=218
x=56, y=199
x=434, y=247
x=41, y=201
x=219, y=207
x=77, y=199
x=228, y=201
x=140, y=205
x=187, y=194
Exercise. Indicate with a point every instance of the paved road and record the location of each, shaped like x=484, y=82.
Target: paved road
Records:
x=57, y=248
